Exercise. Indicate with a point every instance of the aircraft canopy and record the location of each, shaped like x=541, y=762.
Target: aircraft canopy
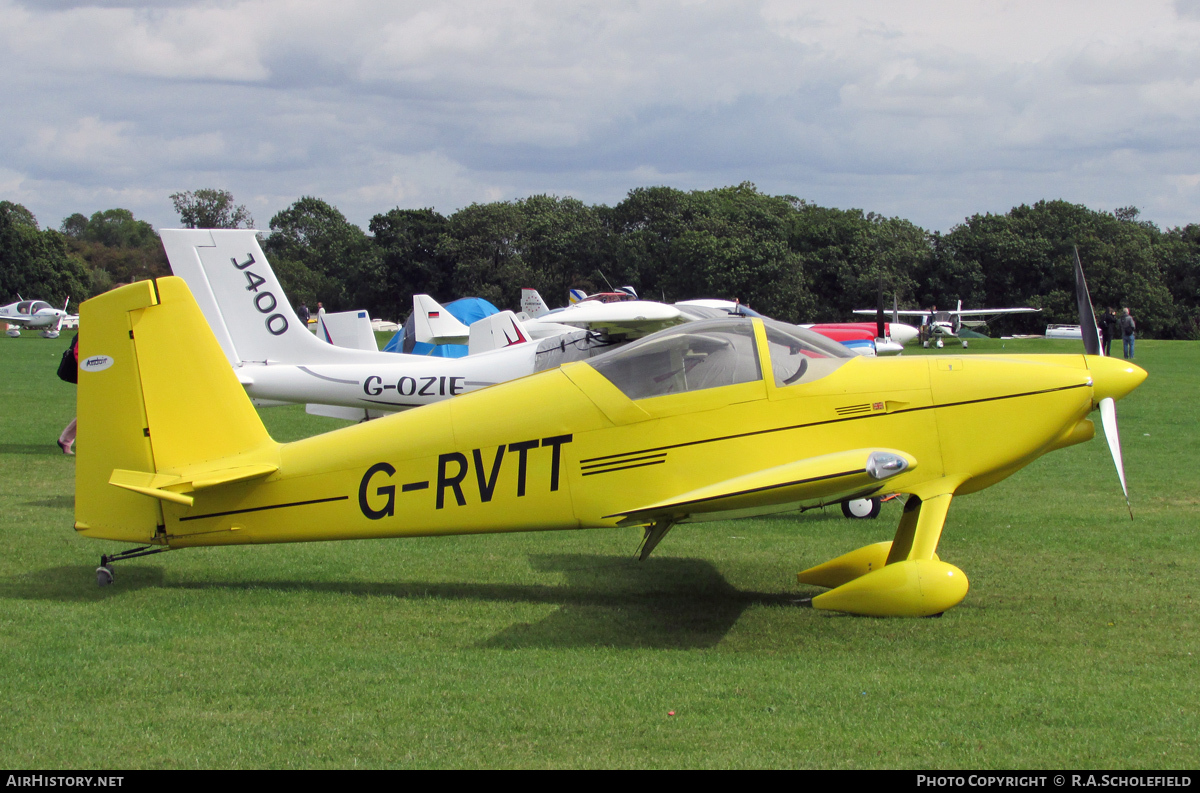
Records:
x=714, y=353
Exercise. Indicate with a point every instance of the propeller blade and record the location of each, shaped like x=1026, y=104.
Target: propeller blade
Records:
x=895, y=308
x=1087, y=317
x=1108, y=418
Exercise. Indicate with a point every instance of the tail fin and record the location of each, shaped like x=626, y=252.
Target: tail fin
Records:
x=532, y=303
x=238, y=292
x=435, y=325
x=495, y=332
x=350, y=329
x=160, y=411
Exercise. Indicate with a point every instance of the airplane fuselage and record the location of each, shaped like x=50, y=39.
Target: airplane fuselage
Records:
x=385, y=381
x=587, y=453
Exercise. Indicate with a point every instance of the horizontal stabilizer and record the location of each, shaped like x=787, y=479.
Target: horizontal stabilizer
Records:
x=227, y=476
x=154, y=485
x=825, y=478
x=149, y=485
x=344, y=413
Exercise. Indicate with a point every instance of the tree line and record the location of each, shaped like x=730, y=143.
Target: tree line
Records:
x=784, y=256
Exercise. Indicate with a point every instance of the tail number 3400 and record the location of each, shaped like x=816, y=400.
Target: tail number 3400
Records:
x=264, y=301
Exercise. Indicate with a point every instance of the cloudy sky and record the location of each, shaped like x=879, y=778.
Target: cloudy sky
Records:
x=931, y=111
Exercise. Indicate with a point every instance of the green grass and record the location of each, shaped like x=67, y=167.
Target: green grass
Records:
x=1076, y=646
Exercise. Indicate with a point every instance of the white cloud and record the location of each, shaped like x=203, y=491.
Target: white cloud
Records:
x=928, y=110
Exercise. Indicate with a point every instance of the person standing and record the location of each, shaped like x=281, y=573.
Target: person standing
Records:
x=1108, y=329
x=68, y=369
x=302, y=312
x=1128, y=331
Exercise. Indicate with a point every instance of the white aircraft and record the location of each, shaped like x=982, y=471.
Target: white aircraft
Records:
x=619, y=313
x=949, y=323
x=279, y=361
x=35, y=314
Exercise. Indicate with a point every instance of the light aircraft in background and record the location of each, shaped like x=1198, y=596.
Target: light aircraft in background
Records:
x=34, y=315
x=709, y=420
x=864, y=338
x=620, y=294
x=949, y=323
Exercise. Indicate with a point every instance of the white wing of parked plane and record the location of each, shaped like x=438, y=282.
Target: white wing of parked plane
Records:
x=628, y=318
x=967, y=312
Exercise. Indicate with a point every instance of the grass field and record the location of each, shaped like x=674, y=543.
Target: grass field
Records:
x=1077, y=645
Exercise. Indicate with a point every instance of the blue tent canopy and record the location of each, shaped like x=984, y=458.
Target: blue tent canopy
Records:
x=466, y=310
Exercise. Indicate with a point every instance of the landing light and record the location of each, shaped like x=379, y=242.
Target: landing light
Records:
x=881, y=465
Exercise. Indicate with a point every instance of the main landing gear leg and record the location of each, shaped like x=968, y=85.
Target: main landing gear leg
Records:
x=654, y=534
x=901, y=578
x=105, y=574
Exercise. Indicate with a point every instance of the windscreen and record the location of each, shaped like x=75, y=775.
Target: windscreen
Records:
x=799, y=355
x=690, y=357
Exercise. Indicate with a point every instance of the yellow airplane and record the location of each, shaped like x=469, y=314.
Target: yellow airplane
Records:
x=708, y=420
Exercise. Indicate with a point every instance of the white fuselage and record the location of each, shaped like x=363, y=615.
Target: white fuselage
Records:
x=388, y=382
